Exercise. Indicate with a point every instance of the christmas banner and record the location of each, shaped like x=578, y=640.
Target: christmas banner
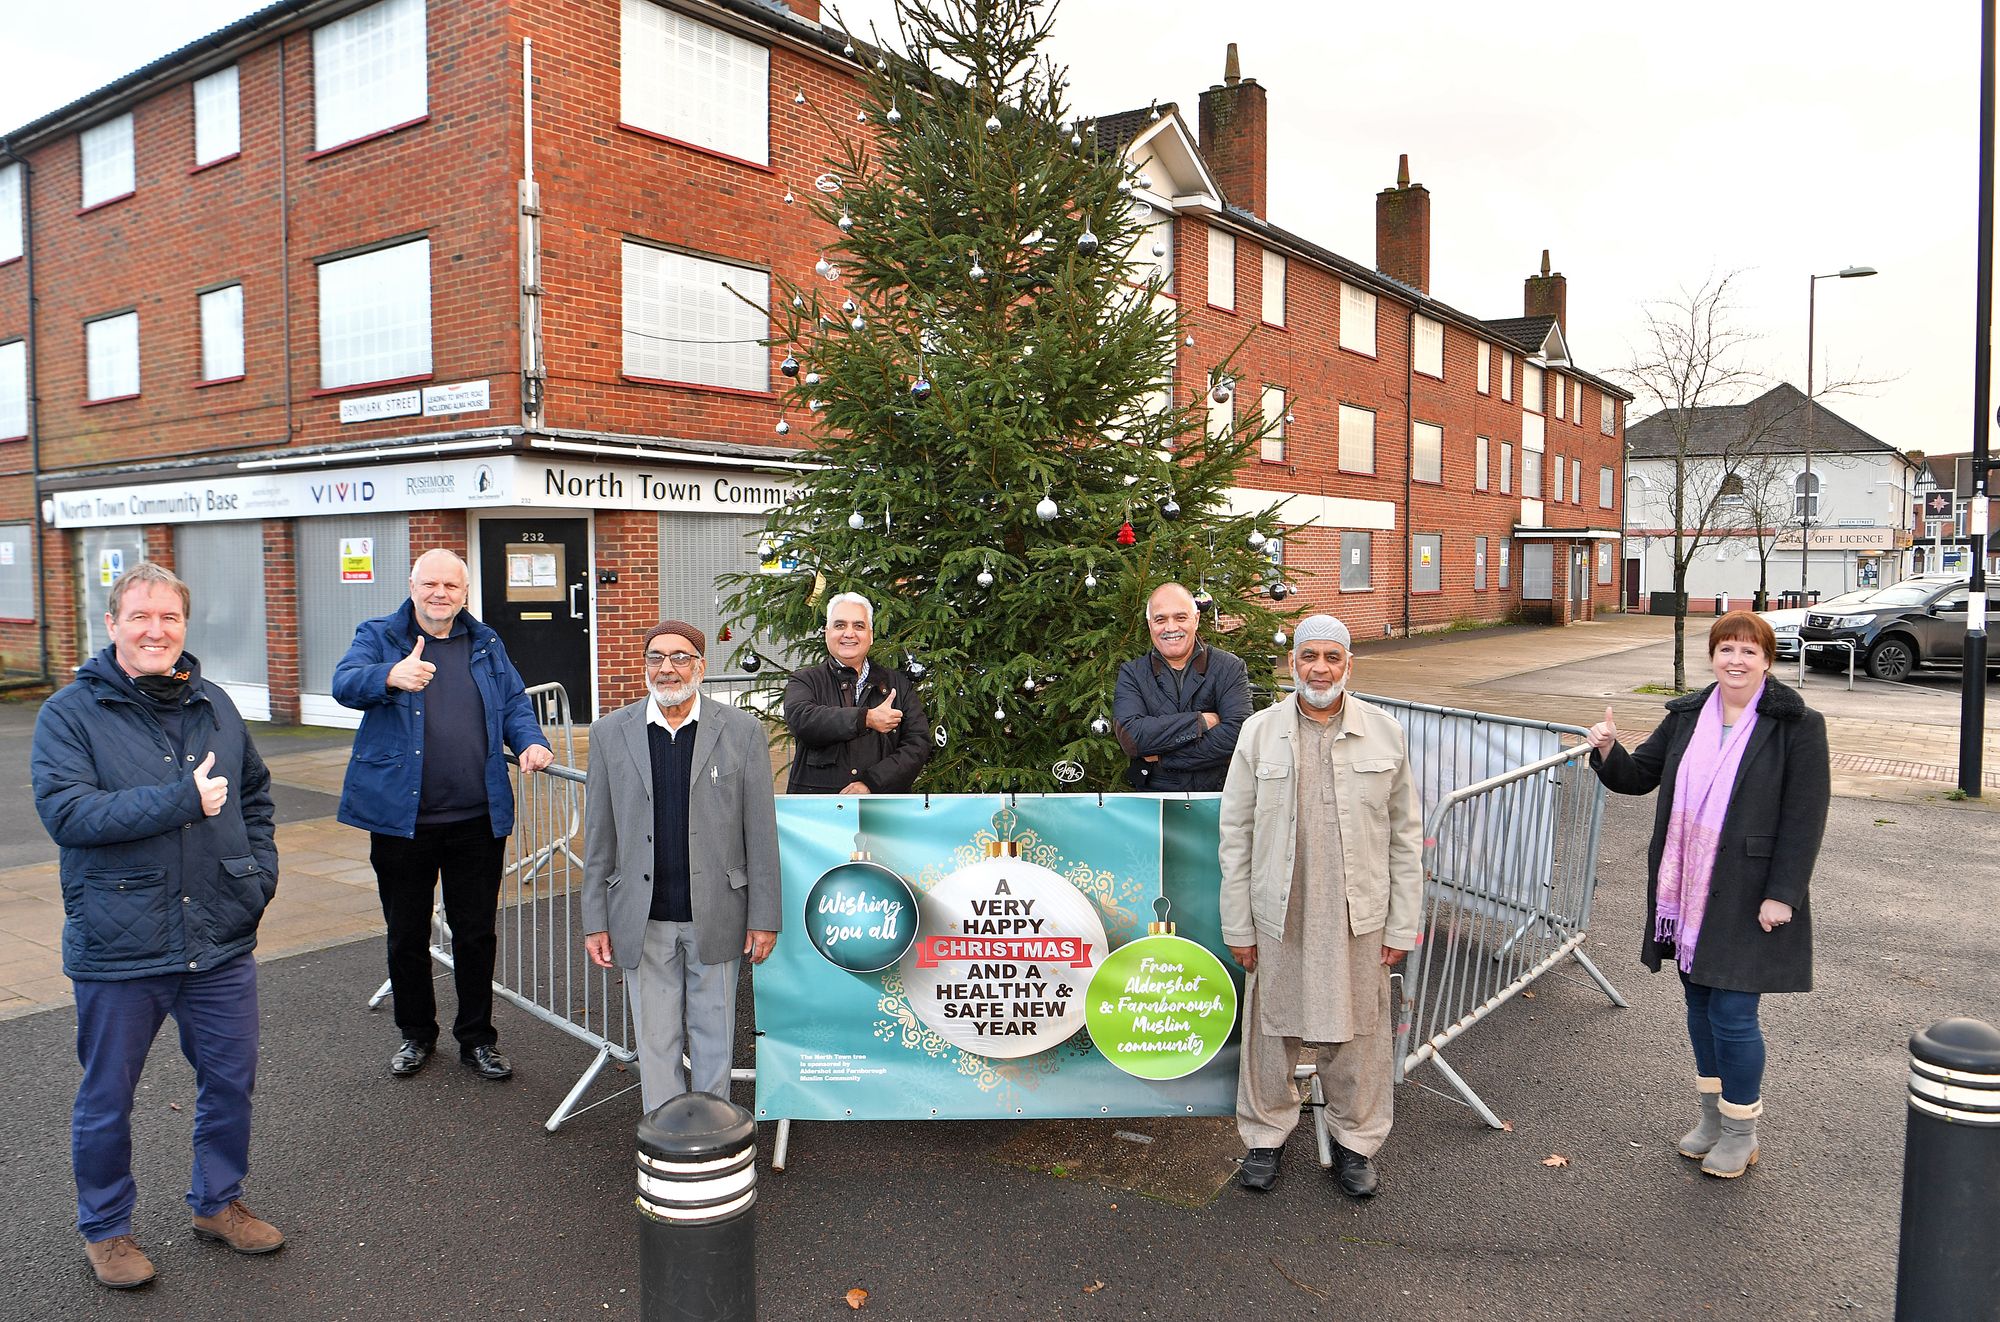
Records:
x=970, y=956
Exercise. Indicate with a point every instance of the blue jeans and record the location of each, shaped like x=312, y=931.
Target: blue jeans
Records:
x=116, y=1022
x=1728, y=1044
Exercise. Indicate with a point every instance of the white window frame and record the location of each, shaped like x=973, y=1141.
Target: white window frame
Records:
x=1607, y=412
x=1562, y=397
x=1272, y=403
x=1575, y=481
x=375, y=315
x=104, y=159
x=1357, y=439
x=1479, y=564
x=1558, y=488
x=1435, y=543
x=1506, y=563
x=1276, y=273
x=220, y=312
x=1802, y=490
x=1576, y=402
x=1532, y=400
x=1427, y=347
x=1353, y=540
x=1531, y=486
x=13, y=389
x=1606, y=485
x=684, y=321
x=1485, y=368
x=1603, y=564
x=1481, y=463
x=1506, y=376
x=218, y=117
x=1426, y=452
x=10, y=212
x=371, y=72
x=1506, y=468
x=111, y=356
x=1221, y=269
x=1357, y=319
x=692, y=82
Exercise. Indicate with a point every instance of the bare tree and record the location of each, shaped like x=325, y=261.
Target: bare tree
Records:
x=1691, y=358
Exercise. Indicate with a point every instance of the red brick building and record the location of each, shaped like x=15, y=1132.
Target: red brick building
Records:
x=342, y=282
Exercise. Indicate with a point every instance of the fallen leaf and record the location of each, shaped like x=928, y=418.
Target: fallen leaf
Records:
x=1527, y=996
x=1555, y=1159
x=173, y=1106
x=1507, y=1126
x=1093, y=1287
x=856, y=1297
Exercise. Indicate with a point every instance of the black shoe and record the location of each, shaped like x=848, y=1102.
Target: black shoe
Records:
x=490, y=1063
x=1355, y=1173
x=410, y=1057
x=1260, y=1169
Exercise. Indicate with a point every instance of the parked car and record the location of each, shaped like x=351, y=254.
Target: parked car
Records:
x=1785, y=623
x=1915, y=624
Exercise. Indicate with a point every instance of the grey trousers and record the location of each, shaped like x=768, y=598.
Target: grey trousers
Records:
x=672, y=985
x=1357, y=1077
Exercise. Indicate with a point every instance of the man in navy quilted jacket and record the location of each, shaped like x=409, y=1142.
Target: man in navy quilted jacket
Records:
x=146, y=778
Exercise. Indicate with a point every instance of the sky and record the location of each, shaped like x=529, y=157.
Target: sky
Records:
x=1649, y=148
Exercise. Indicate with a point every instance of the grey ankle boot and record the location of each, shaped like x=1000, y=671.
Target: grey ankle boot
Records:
x=1736, y=1151
x=1695, y=1144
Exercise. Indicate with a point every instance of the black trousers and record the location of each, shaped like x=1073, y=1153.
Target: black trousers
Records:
x=467, y=857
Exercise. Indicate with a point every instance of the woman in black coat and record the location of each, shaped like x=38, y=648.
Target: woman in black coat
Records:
x=1744, y=783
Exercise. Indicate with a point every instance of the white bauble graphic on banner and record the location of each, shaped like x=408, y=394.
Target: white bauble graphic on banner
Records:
x=1004, y=951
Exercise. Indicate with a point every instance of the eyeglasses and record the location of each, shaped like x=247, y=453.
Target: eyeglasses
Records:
x=678, y=660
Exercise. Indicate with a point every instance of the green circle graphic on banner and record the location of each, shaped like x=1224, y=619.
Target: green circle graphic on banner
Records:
x=861, y=917
x=1160, y=1007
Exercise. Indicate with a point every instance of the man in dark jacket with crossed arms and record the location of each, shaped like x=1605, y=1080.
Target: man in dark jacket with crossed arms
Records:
x=858, y=727
x=147, y=780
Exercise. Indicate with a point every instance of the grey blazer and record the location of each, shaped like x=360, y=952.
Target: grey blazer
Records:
x=732, y=832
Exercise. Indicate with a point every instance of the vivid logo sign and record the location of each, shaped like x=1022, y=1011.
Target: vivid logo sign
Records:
x=343, y=493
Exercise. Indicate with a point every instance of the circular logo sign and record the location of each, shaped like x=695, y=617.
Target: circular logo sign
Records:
x=1161, y=1007
x=1004, y=950
x=861, y=917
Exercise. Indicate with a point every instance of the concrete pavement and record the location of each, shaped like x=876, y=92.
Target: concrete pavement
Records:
x=1891, y=743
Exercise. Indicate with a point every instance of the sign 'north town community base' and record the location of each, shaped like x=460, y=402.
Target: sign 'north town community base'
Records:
x=503, y=481
x=967, y=956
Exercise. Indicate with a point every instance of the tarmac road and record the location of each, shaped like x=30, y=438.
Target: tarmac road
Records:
x=442, y=1197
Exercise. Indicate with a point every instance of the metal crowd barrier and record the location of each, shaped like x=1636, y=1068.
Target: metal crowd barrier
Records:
x=1510, y=873
x=540, y=967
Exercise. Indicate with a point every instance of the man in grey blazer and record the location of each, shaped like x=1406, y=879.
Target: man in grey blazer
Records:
x=680, y=862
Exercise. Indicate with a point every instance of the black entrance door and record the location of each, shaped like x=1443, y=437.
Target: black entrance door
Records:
x=534, y=584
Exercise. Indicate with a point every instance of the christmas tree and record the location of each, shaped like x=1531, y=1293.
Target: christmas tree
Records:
x=988, y=375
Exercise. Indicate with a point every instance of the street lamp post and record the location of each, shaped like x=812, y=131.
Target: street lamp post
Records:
x=1807, y=498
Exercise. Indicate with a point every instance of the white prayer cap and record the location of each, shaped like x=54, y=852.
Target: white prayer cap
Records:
x=1321, y=629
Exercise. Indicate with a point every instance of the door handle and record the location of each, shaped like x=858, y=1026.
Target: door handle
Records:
x=574, y=613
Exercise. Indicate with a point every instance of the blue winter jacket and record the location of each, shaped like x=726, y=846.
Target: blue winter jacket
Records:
x=385, y=774
x=150, y=885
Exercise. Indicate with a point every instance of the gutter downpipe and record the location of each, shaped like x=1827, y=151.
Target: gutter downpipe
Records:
x=285, y=234
x=34, y=411
x=1409, y=463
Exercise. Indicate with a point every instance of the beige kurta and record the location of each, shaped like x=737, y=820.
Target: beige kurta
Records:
x=1322, y=982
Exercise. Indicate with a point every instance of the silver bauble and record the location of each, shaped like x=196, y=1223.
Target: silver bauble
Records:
x=752, y=664
x=1170, y=510
x=1202, y=599
x=1257, y=539
x=894, y=116
x=857, y=323
x=920, y=390
x=812, y=378
x=1086, y=243
x=845, y=223
x=1090, y=581
x=784, y=428
x=1100, y=726
x=992, y=123
x=790, y=367
x=856, y=522
x=1045, y=509
x=1221, y=393
x=985, y=579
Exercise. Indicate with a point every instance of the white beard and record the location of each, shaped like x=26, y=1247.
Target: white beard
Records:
x=1321, y=699
x=669, y=696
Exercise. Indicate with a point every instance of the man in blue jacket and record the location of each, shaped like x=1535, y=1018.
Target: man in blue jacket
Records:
x=428, y=781
x=1177, y=709
x=147, y=780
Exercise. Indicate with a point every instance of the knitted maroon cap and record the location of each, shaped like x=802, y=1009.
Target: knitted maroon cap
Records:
x=684, y=629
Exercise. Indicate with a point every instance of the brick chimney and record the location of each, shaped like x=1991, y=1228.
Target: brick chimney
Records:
x=1546, y=295
x=1403, y=230
x=1232, y=136
x=806, y=9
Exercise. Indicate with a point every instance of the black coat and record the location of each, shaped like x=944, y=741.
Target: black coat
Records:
x=1770, y=839
x=1151, y=720
x=835, y=747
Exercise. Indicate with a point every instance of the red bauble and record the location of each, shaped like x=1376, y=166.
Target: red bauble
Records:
x=723, y=637
x=1125, y=534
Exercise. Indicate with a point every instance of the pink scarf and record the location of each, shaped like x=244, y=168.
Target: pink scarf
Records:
x=1702, y=786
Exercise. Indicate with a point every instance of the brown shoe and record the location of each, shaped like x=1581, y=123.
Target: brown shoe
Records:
x=118, y=1262
x=239, y=1228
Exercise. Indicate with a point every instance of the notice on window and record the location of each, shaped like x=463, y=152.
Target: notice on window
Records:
x=1423, y=555
x=6, y=553
x=110, y=564
x=357, y=559
x=534, y=572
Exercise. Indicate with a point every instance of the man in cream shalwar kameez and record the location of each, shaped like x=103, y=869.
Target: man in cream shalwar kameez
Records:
x=1322, y=885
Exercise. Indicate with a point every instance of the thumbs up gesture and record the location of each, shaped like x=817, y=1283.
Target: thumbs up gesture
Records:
x=884, y=717
x=412, y=674
x=214, y=790
x=1604, y=734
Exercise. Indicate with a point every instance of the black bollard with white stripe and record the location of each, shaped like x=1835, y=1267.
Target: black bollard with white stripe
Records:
x=1949, y=1267
x=697, y=1212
